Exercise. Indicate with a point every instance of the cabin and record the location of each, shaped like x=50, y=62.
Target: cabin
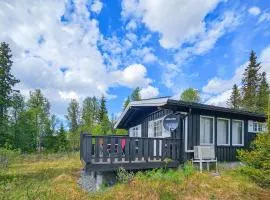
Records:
x=150, y=144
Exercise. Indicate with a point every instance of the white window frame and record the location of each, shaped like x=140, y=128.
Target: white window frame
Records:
x=243, y=132
x=210, y=117
x=160, y=120
x=164, y=133
x=229, y=131
x=135, y=129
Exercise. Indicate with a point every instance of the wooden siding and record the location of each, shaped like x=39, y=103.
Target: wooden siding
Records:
x=224, y=153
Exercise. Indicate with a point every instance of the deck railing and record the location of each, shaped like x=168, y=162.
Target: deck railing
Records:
x=124, y=149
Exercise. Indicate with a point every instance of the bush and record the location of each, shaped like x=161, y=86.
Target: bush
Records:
x=8, y=156
x=123, y=176
x=257, y=160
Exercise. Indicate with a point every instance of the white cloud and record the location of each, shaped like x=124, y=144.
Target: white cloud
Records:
x=220, y=89
x=96, y=6
x=176, y=21
x=149, y=92
x=207, y=40
x=132, y=76
x=219, y=100
x=42, y=45
x=254, y=10
x=264, y=17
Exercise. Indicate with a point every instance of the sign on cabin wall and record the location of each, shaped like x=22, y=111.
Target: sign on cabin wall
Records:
x=171, y=122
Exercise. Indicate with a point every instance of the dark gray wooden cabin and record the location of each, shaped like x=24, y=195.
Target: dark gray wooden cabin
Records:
x=149, y=145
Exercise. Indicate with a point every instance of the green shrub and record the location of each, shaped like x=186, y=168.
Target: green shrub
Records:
x=188, y=169
x=123, y=176
x=257, y=160
x=8, y=156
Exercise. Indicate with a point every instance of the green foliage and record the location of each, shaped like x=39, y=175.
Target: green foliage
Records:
x=62, y=143
x=123, y=176
x=135, y=95
x=73, y=115
x=257, y=160
x=190, y=95
x=250, y=83
x=127, y=101
x=8, y=156
x=7, y=82
x=235, y=98
x=263, y=95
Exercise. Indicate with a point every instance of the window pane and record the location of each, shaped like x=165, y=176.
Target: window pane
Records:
x=237, y=134
x=222, y=131
x=206, y=130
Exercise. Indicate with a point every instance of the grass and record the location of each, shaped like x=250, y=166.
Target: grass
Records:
x=55, y=177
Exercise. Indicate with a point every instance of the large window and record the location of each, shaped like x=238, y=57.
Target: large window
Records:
x=206, y=130
x=223, y=131
x=157, y=128
x=237, y=132
x=135, y=131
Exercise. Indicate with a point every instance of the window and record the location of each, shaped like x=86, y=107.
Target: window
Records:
x=256, y=127
x=237, y=132
x=223, y=131
x=206, y=130
x=158, y=128
x=135, y=131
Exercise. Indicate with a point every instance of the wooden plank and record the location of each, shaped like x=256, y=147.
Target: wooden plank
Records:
x=96, y=153
x=157, y=148
x=112, y=153
x=131, y=166
x=127, y=147
x=151, y=149
x=140, y=150
x=104, y=149
x=173, y=146
x=164, y=150
x=145, y=150
x=119, y=149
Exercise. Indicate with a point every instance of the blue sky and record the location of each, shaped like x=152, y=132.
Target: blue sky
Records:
x=73, y=49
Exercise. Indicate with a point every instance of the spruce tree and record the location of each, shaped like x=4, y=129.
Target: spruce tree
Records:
x=103, y=116
x=263, y=95
x=135, y=96
x=250, y=83
x=7, y=82
x=235, y=99
x=62, y=139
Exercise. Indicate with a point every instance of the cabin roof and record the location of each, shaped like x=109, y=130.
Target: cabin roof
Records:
x=144, y=107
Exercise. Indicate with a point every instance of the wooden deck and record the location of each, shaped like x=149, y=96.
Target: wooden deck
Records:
x=108, y=153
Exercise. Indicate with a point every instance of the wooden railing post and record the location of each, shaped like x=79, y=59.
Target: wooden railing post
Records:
x=87, y=148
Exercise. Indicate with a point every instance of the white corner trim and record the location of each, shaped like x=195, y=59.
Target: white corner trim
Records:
x=142, y=103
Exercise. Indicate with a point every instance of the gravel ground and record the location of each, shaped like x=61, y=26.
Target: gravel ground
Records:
x=87, y=182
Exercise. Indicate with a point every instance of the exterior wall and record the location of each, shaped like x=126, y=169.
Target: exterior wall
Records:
x=224, y=153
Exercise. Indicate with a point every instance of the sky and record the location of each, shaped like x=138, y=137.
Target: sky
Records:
x=71, y=49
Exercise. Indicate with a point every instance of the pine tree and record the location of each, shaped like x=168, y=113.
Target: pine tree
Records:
x=235, y=99
x=263, y=95
x=7, y=82
x=250, y=83
x=135, y=96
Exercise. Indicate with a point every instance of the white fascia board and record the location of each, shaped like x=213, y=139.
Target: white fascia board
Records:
x=142, y=103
